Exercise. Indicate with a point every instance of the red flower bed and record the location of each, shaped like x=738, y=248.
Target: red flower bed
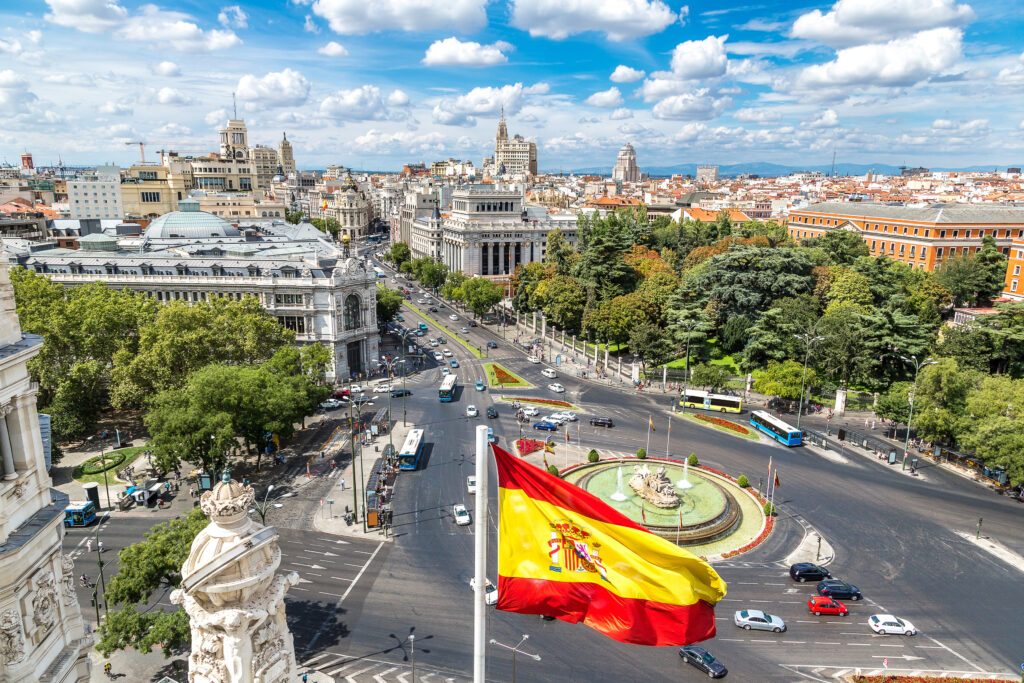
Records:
x=548, y=402
x=896, y=678
x=756, y=542
x=728, y=424
x=504, y=377
x=527, y=446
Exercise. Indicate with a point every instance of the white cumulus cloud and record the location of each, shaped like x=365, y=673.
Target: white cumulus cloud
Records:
x=216, y=117
x=827, y=119
x=275, y=89
x=309, y=26
x=454, y=52
x=398, y=98
x=365, y=103
x=626, y=74
x=171, y=96
x=333, y=49
x=856, y=22
x=233, y=16
x=351, y=17
x=167, y=69
x=463, y=110
x=699, y=105
x=757, y=115
x=15, y=96
x=115, y=108
x=621, y=113
x=1012, y=75
x=174, y=130
x=150, y=24
x=379, y=142
x=606, y=98
x=899, y=62
x=617, y=19
x=696, y=59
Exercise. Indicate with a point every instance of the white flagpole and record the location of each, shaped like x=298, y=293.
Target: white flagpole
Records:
x=668, y=438
x=649, y=422
x=483, y=456
x=771, y=504
x=768, y=484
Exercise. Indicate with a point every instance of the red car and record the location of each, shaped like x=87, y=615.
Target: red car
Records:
x=820, y=604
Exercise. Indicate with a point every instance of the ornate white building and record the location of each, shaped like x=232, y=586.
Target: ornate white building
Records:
x=513, y=157
x=490, y=231
x=625, y=169
x=234, y=595
x=42, y=635
x=349, y=206
x=285, y=155
x=299, y=275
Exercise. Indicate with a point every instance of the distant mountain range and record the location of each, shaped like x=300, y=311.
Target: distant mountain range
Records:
x=767, y=169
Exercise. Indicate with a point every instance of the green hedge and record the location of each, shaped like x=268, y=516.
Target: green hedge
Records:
x=593, y=456
x=552, y=470
x=742, y=481
x=96, y=465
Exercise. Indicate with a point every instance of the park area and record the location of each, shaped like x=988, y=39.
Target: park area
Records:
x=501, y=377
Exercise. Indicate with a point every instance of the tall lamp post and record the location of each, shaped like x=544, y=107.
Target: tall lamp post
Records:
x=688, y=326
x=390, y=365
x=809, y=340
x=264, y=507
x=515, y=650
x=910, y=418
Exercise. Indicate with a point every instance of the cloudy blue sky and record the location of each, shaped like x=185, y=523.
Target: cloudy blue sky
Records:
x=375, y=83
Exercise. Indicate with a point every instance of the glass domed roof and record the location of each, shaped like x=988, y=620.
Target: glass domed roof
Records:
x=190, y=223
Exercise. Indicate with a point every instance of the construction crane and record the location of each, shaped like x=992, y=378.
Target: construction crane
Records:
x=142, y=149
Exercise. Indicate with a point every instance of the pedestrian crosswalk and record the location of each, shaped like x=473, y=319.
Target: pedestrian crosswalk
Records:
x=370, y=670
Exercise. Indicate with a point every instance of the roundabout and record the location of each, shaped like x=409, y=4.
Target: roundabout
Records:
x=707, y=513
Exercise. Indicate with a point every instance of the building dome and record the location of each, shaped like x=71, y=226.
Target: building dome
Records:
x=97, y=242
x=190, y=223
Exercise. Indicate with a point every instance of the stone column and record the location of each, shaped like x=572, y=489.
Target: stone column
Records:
x=574, y=346
x=534, y=328
x=5, y=444
x=543, y=327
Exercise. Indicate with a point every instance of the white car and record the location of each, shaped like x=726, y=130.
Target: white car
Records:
x=471, y=484
x=557, y=388
x=433, y=343
x=490, y=591
x=453, y=317
x=447, y=353
x=571, y=416
x=445, y=371
x=549, y=373
x=555, y=418
x=533, y=359
x=464, y=330
x=461, y=515
x=471, y=411
x=530, y=411
x=383, y=386
x=357, y=389
x=438, y=357
x=757, y=620
x=888, y=624
x=565, y=416
x=331, y=404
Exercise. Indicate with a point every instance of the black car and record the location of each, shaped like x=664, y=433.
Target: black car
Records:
x=472, y=323
x=399, y=393
x=492, y=412
x=432, y=309
x=834, y=588
x=492, y=344
x=601, y=422
x=808, y=571
x=702, y=659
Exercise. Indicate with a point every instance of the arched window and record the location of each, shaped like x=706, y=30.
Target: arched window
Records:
x=353, y=317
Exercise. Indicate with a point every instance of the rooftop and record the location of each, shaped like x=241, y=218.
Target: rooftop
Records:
x=934, y=213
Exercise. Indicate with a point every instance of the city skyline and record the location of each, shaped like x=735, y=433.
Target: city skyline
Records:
x=416, y=81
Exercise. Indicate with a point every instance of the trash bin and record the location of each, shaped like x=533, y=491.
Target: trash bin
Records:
x=92, y=493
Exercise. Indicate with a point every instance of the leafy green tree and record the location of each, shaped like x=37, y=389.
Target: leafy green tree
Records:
x=659, y=288
x=929, y=300
x=559, y=253
x=709, y=376
x=314, y=361
x=888, y=278
x=776, y=233
x=399, y=253
x=723, y=224
x=747, y=280
x=389, y=303
x=994, y=428
x=970, y=345
x=75, y=408
x=146, y=568
x=964, y=279
x=602, y=262
x=784, y=379
x=525, y=282
x=851, y=287
x=774, y=335
x=843, y=247
x=890, y=334
x=735, y=333
x=481, y=295
x=293, y=217
x=184, y=337
x=1005, y=331
x=612, y=320
x=841, y=353
x=563, y=299
x=940, y=402
x=688, y=326
x=329, y=225
x=894, y=403
x=429, y=272
x=992, y=264
x=650, y=344
x=452, y=287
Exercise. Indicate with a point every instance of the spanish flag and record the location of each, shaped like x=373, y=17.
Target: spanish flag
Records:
x=650, y=423
x=562, y=552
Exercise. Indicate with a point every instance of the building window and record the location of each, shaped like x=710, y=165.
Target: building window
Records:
x=1016, y=270
x=353, y=316
x=293, y=322
x=150, y=197
x=287, y=299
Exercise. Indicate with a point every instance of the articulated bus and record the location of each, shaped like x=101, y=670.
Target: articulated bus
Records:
x=379, y=271
x=693, y=398
x=409, y=456
x=777, y=429
x=446, y=394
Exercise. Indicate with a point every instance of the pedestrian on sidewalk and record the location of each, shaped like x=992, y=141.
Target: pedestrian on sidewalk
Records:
x=99, y=546
x=88, y=545
x=342, y=484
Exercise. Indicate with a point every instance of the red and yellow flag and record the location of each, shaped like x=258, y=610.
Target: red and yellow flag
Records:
x=563, y=552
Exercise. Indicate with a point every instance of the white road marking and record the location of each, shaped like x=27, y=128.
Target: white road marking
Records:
x=955, y=654
x=360, y=574
x=380, y=677
x=341, y=578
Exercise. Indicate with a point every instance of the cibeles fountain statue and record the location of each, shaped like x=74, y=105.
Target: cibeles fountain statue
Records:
x=654, y=487
x=234, y=595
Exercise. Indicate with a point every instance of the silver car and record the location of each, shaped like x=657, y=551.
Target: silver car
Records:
x=759, y=621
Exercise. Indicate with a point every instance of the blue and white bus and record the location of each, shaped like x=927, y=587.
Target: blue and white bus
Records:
x=446, y=394
x=777, y=429
x=409, y=456
x=379, y=271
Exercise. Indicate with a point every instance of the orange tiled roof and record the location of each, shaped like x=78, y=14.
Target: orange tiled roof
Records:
x=705, y=216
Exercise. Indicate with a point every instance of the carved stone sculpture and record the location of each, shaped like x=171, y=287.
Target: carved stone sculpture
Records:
x=44, y=603
x=234, y=595
x=655, y=488
x=12, y=640
x=67, y=579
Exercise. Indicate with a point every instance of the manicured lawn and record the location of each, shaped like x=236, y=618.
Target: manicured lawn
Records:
x=452, y=333
x=501, y=377
x=728, y=362
x=131, y=453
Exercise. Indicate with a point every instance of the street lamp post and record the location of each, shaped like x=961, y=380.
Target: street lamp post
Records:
x=910, y=418
x=686, y=369
x=515, y=650
x=808, y=340
x=103, y=464
x=263, y=508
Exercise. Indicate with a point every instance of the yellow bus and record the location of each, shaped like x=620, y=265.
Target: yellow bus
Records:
x=703, y=400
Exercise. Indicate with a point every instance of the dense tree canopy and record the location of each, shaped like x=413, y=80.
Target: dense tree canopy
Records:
x=389, y=303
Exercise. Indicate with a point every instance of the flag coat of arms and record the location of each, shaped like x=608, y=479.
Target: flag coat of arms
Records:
x=563, y=552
